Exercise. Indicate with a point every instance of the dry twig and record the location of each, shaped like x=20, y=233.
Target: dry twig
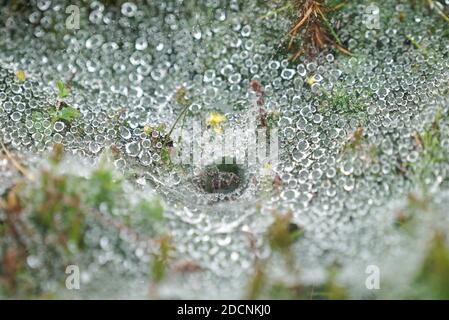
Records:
x=313, y=28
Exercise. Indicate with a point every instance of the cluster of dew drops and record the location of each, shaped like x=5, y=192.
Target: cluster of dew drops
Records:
x=126, y=63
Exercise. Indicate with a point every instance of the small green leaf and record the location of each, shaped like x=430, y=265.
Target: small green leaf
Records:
x=160, y=127
x=165, y=155
x=67, y=113
x=62, y=90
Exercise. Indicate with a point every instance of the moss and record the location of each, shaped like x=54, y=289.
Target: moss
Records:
x=103, y=188
x=54, y=211
x=282, y=233
x=339, y=100
x=432, y=280
x=431, y=142
x=56, y=208
x=281, y=236
x=147, y=217
x=332, y=290
x=160, y=259
x=257, y=282
x=431, y=151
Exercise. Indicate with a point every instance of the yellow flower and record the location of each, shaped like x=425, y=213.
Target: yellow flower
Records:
x=147, y=130
x=215, y=120
x=311, y=80
x=20, y=74
x=267, y=167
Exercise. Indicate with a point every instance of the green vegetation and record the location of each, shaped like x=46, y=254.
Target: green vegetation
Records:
x=355, y=141
x=432, y=280
x=112, y=3
x=167, y=142
x=331, y=290
x=314, y=29
x=148, y=130
x=181, y=97
x=52, y=211
x=184, y=102
x=63, y=91
x=66, y=114
x=358, y=145
x=272, y=119
x=61, y=111
x=339, y=100
x=257, y=281
x=416, y=44
x=103, y=188
x=159, y=263
x=406, y=218
x=431, y=5
x=433, y=152
x=281, y=235
x=51, y=216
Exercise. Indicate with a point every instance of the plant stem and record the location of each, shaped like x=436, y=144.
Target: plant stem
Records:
x=175, y=123
x=437, y=9
x=417, y=45
x=331, y=29
x=338, y=6
x=16, y=164
x=272, y=12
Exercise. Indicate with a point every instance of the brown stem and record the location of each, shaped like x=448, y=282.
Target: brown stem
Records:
x=16, y=164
